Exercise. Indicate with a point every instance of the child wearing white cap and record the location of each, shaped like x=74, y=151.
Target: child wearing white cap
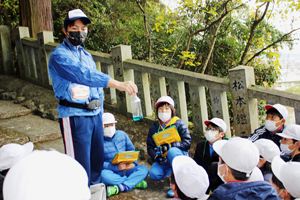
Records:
x=267, y=151
x=286, y=178
x=290, y=142
x=162, y=166
x=120, y=177
x=277, y=114
x=188, y=180
x=238, y=158
x=46, y=175
x=10, y=154
x=205, y=154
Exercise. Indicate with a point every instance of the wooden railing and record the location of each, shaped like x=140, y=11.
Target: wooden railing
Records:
x=153, y=80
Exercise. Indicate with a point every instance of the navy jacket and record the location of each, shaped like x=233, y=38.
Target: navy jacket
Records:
x=258, y=190
x=120, y=142
x=182, y=129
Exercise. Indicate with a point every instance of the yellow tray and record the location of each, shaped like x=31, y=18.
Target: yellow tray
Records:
x=125, y=156
x=166, y=136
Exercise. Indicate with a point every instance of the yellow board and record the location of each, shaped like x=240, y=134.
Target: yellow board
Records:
x=125, y=156
x=166, y=136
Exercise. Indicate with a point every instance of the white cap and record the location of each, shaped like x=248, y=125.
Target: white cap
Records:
x=46, y=175
x=289, y=174
x=76, y=14
x=165, y=99
x=292, y=131
x=108, y=118
x=238, y=153
x=217, y=121
x=280, y=108
x=190, y=177
x=267, y=149
x=12, y=153
x=256, y=175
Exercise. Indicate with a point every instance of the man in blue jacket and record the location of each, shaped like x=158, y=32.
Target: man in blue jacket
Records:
x=237, y=159
x=120, y=177
x=78, y=87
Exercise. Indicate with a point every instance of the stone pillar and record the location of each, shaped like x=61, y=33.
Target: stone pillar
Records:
x=199, y=107
x=109, y=93
x=177, y=92
x=245, y=111
x=43, y=38
x=6, y=58
x=20, y=33
x=219, y=106
x=142, y=82
x=159, y=89
x=119, y=54
x=297, y=116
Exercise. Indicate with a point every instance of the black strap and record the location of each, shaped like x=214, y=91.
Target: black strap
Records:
x=74, y=105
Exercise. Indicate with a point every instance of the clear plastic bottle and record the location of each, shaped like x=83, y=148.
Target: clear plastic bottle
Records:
x=136, y=106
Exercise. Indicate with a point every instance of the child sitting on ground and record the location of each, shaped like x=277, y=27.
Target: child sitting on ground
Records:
x=188, y=180
x=120, y=177
x=290, y=142
x=286, y=178
x=205, y=154
x=162, y=166
x=267, y=151
x=10, y=154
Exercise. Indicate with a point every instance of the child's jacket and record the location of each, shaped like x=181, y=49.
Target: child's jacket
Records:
x=120, y=142
x=183, y=131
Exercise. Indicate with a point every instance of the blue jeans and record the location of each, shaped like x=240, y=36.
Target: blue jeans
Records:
x=128, y=178
x=158, y=171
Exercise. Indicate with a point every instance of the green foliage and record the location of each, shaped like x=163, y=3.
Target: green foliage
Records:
x=9, y=13
x=294, y=89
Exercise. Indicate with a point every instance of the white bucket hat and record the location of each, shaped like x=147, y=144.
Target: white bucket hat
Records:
x=292, y=131
x=190, y=177
x=165, y=99
x=108, y=118
x=289, y=174
x=46, y=175
x=238, y=153
x=217, y=121
x=267, y=149
x=12, y=153
x=280, y=108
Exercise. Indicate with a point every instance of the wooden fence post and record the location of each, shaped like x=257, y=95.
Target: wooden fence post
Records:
x=6, y=58
x=245, y=111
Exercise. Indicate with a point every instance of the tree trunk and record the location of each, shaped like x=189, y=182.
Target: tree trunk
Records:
x=37, y=15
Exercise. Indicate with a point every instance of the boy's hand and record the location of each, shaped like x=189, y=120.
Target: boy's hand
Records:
x=159, y=159
x=122, y=166
x=129, y=166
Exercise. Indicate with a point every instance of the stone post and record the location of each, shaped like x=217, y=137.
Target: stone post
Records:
x=219, y=106
x=245, y=111
x=110, y=93
x=43, y=38
x=199, y=107
x=142, y=82
x=20, y=33
x=119, y=54
x=159, y=89
x=6, y=58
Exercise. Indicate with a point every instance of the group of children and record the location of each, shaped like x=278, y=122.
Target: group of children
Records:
x=236, y=168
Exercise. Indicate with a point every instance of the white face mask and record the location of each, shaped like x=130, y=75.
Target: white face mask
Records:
x=222, y=176
x=271, y=125
x=164, y=116
x=285, y=148
x=109, y=131
x=211, y=135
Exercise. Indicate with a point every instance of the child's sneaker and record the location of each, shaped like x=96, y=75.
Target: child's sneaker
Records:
x=170, y=194
x=112, y=190
x=142, y=184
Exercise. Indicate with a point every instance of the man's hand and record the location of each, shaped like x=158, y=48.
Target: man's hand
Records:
x=127, y=86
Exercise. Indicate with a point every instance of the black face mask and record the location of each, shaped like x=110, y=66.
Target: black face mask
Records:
x=77, y=37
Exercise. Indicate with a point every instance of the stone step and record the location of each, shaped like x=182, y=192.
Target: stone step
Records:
x=57, y=144
x=9, y=110
x=36, y=128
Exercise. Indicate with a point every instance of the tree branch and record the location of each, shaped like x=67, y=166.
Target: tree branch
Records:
x=277, y=41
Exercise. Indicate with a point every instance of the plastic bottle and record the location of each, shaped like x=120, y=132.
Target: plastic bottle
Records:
x=136, y=106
